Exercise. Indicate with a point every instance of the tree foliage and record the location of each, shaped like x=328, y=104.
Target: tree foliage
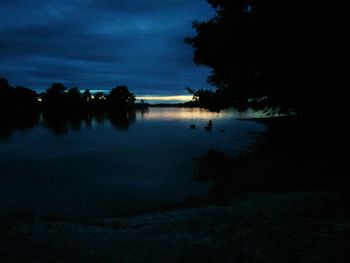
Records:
x=59, y=99
x=16, y=99
x=277, y=53
x=121, y=97
x=204, y=98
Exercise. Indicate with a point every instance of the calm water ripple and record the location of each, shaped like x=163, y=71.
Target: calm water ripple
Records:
x=101, y=166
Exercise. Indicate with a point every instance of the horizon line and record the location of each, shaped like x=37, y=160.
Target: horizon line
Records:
x=164, y=97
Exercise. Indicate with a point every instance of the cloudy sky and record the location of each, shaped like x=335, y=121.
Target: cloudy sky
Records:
x=98, y=44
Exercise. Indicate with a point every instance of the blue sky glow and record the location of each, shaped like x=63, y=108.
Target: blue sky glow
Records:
x=99, y=44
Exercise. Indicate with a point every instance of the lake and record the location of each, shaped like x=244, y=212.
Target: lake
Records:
x=104, y=166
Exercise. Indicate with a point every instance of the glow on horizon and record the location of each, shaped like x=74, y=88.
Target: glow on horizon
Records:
x=158, y=98
x=165, y=98
x=152, y=98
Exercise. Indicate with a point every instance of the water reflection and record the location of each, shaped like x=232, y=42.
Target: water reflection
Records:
x=59, y=123
x=176, y=114
x=121, y=120
x=107, y=171
x=16, y=121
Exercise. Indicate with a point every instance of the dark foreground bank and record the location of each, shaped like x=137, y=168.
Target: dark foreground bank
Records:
x=285, y=227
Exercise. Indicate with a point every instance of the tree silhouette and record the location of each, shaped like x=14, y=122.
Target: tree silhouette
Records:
x=16, y=99
x=121, y=97
x=6, y=94
x=276, y=53
x=25, y=98
x=204, y=98
x=86, y=96
x=58, y=104
x=54, y=97
x=74, y=99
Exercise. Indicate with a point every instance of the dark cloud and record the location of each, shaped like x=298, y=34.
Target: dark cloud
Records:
x=101, y=43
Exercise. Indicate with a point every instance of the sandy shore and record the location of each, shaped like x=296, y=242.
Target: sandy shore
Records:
x=281, y=227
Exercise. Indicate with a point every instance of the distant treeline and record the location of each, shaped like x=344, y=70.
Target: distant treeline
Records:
x=59, y=98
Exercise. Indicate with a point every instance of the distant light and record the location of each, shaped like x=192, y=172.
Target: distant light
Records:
x=248, y=8
x=39, y=99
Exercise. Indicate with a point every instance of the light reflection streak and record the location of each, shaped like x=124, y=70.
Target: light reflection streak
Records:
x=170, y=114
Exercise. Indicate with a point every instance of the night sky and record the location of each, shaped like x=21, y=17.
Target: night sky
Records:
x=98, y=44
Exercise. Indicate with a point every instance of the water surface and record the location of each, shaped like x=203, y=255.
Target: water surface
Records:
x=100, y=166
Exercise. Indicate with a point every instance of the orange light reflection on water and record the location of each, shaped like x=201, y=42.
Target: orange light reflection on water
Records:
x=177, y=113
x=182, y=114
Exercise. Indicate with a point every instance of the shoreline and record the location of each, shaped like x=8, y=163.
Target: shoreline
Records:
x=251, y=228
